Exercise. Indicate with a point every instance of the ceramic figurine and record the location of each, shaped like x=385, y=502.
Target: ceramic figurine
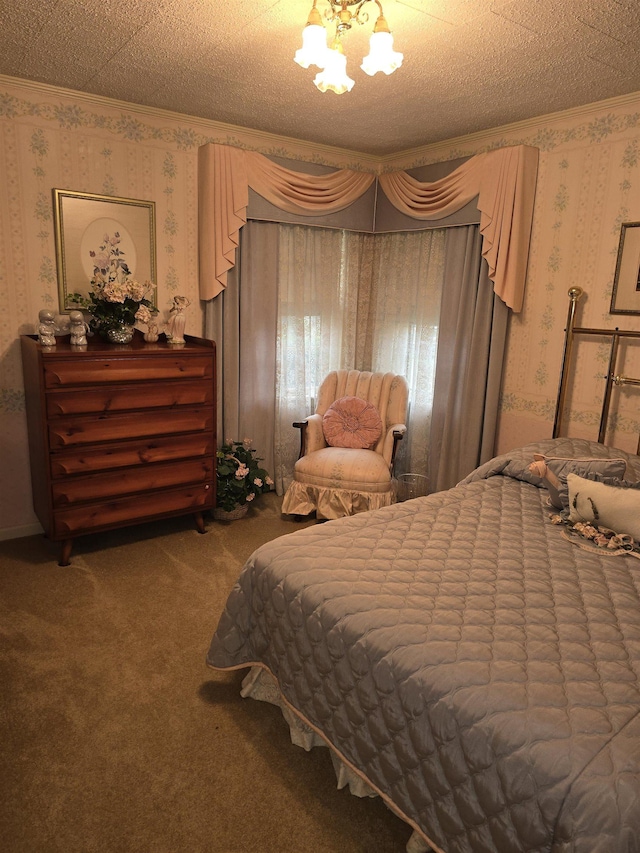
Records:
x=47, y=328
x=78, y=329
x=151, y=335
x=177, y=320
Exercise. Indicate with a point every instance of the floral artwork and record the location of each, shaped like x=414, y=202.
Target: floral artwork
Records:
x=239, y=477
x=101, y=237
x=116, y=298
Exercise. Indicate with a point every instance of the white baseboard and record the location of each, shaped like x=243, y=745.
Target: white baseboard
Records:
x=19, y=532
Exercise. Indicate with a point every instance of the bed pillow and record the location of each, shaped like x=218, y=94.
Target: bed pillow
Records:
x=554, y=471
x=616, y=507
x=516, y=463
x=352, y=422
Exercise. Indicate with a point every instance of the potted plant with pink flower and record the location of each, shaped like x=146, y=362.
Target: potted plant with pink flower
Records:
x=239, y=478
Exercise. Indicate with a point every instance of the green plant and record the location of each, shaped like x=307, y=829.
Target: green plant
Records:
x=239, y=478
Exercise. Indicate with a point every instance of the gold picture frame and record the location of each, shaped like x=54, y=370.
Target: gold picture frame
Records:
x=625, y=298
x=85, y=223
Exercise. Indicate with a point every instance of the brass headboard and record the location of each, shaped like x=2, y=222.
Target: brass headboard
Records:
x=612, y=377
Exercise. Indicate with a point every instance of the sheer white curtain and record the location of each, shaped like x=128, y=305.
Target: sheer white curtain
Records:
x=317, y=318
x=348, y=300
x=406, y=287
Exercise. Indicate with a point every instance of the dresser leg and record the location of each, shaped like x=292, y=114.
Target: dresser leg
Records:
x=199, y=519
x=65, y=552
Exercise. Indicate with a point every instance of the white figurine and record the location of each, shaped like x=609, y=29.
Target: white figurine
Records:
x=148, y=316
x=47, y=328
x=78, y=329
x=153, y=330
x=177, y=320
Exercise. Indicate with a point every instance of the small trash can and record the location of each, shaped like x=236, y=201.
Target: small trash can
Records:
x=412, y=486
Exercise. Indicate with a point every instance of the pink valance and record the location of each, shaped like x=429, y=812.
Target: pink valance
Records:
x=505, y=183
x=224, y=176
x=296, y=192
x=503, y=180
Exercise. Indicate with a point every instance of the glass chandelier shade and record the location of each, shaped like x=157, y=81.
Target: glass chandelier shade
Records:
x=332, y=61
x=381, y=56
x=314, y=42
x=334, y=76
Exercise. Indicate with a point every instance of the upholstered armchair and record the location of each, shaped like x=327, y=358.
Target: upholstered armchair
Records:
x=348, y=446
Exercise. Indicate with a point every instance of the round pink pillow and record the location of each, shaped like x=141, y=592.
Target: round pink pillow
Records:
x=352, y=422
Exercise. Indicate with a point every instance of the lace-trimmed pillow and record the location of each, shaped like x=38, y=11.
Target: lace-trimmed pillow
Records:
x=352, y=422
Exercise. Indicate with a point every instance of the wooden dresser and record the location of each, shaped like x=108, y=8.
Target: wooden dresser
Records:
x=119, y=434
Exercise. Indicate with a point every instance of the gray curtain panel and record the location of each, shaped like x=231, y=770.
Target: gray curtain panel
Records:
x=471, y=342
x=243, y=321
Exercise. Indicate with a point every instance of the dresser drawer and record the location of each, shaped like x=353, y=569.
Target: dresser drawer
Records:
x=130, y=510
x=161, y=395
x=72, y=490
x=70, y=432
x=162, y=449
x=103, y=371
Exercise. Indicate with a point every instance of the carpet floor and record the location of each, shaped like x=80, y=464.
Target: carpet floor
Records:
x=115, y=736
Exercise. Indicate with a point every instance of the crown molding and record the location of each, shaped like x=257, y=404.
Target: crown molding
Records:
x=475, y=140
x=300, y=149
x=250, y=138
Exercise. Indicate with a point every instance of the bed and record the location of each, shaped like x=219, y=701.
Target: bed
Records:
x=472, y=656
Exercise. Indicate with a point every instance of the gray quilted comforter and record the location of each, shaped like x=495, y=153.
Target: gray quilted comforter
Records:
x=478, y=669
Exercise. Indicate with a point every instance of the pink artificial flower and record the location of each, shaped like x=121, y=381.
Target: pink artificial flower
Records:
x=101, y=262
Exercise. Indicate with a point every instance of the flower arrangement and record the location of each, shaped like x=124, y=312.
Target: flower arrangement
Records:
x=239, y=478
x=116, y=299
x=149, y=316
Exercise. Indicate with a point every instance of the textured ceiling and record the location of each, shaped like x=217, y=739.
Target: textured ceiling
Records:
x=469, y=64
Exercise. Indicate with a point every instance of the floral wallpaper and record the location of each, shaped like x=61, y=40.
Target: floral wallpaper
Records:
x=588, y=184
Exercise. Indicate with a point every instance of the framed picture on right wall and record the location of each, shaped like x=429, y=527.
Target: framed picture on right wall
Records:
x=625, y=298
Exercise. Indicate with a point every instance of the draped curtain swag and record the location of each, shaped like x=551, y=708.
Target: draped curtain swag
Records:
x=296, y=192
x=504, y=181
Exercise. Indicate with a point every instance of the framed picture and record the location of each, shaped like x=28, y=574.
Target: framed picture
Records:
x=96, y=230
x=626, y=283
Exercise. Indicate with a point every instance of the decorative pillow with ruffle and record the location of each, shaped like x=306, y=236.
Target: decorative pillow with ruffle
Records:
x=554, y=471
x=352, y=422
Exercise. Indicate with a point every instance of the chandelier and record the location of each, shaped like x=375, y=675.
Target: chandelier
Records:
x=331, y=60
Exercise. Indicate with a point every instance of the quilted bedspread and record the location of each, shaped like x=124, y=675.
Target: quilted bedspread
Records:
x=477, y=668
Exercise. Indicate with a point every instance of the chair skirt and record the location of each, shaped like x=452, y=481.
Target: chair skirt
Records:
x=335, y=482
